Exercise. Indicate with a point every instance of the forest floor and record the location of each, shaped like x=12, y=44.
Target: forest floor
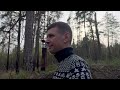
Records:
x=99, y=71
x=105, y=72
x=105, y=69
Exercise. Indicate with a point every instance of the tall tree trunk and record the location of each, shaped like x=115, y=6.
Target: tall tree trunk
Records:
x=28, y=45
x=7, y=66
x=86, y=46
x=98, y=39
x=94, y=52
x=84, y=22
x=18, y=47
x=44, y=49
x=109, y=52
x=86, y=42
x=36, y=55
x=112, y=39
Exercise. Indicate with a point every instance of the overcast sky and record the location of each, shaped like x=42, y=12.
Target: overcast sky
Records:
x=100, y=15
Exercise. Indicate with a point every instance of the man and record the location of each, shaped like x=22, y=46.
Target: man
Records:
x=71, y=66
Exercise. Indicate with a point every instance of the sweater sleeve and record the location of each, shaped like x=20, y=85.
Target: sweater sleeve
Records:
x=80, y=71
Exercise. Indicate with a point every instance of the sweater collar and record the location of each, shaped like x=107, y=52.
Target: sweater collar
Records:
x=64, y=53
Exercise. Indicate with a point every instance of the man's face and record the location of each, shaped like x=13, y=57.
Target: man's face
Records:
x=55, y=40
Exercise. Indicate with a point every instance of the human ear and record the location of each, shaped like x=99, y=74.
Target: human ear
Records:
x=66, y=37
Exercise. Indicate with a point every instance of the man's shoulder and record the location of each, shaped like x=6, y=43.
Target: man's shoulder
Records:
x=75, y=58
x=71, y=62
x=78, y=61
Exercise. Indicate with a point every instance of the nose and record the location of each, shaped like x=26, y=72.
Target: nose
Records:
x=47, y=41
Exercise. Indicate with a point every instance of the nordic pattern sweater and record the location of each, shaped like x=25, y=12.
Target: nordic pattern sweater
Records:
x=71, y=66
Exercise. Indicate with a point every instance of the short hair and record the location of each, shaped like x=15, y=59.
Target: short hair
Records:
x=63, y=27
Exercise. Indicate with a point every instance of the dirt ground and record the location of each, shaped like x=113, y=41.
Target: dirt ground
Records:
x=105, y=72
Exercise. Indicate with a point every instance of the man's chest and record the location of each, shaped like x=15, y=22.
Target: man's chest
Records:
x=61, y=75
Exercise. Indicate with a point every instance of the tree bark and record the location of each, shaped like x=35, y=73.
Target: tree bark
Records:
x=18, y=47
x=36, y=55
x=7, y=66
x=28, y=45
x=98, y=39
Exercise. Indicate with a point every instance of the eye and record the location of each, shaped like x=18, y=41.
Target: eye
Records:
x=50, y=36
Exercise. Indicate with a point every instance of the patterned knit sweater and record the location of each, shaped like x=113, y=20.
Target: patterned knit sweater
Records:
x=71, y=66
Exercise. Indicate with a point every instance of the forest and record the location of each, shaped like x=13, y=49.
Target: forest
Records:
x=24, y=55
